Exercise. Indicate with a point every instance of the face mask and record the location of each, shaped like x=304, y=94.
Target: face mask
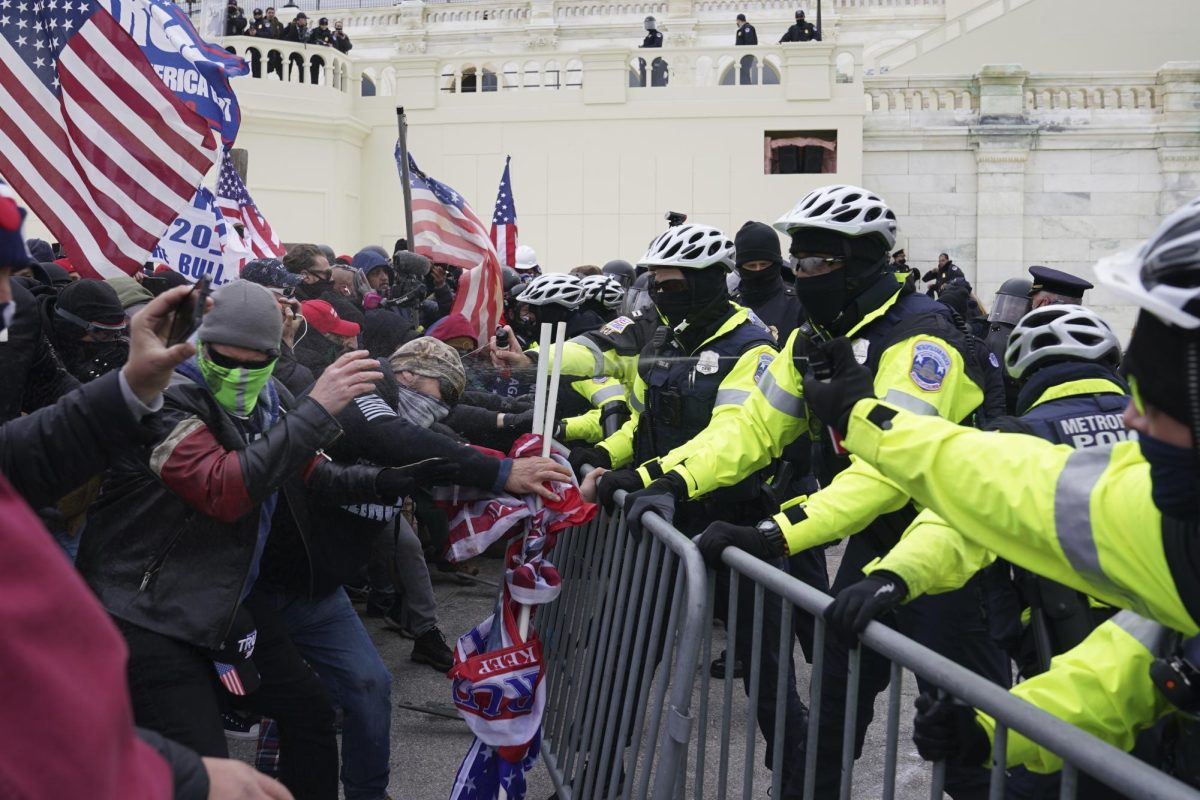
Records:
x=673, y=305
x=758, y=279
x=1174, y=472
x=823, y=296
x=419, y=409
x=235, y=388
x=89, y=360
x=314, y=291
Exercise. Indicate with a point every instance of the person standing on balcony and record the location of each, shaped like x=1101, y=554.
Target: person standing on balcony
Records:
x=272, y=28
x=297, y=31
x=802, y=31
x=340, y=40
x=322, y=34
x=746, y=35
x=658, y=67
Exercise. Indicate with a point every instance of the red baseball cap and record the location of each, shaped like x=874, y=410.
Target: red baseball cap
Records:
x=322, y=316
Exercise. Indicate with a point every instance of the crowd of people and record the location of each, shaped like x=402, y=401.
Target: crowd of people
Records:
x=231, y=474
x=266, y=25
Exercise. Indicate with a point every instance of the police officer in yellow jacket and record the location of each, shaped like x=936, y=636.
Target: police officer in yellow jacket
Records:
x=1121, y=523
x=840, y=240
x=700, y=364
x=1065, y=358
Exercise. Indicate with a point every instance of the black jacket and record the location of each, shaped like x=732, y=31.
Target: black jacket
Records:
x=294, y=33
x=171, y=540
x=342, y=42
x=653, y=39
x=33, y=377
x=746, y=34
x=801, y=32
x=338, y=537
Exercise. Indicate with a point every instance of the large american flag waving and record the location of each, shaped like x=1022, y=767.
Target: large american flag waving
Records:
x=90, y=137
x=446, y=231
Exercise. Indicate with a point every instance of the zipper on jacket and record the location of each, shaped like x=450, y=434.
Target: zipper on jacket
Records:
x=157, y=562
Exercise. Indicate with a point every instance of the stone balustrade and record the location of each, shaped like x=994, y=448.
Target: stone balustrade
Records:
x=290, y=62
x=1107, y=93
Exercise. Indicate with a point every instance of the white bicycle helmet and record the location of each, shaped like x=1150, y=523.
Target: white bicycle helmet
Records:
x=606, y=290
x=844, y=209
x=1163, y=275
x=1060, y=333
x=689, y=247
x=557, y=288
x=526, y=257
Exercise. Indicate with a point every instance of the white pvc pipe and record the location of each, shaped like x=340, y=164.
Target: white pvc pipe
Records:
x=543, y=366
x=560, y=337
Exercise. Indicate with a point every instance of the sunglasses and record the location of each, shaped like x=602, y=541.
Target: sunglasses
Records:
x=236, y=363
x=811, y=263
x=98, y=331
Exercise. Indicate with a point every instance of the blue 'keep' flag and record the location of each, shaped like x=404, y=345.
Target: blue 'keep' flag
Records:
x=197, y=71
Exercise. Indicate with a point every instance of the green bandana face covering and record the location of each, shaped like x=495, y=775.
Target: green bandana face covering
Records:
x=236, y=388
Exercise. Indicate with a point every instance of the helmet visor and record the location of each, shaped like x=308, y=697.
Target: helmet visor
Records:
x=636, y=299
x=1008, y=309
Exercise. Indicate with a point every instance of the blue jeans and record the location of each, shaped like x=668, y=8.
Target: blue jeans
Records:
x=331, y=637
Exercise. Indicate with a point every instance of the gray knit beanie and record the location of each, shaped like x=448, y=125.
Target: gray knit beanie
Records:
x=244, y=314
x=433, y=359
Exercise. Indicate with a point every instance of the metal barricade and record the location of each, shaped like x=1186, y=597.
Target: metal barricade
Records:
x=1080, y=752
x=621, y=644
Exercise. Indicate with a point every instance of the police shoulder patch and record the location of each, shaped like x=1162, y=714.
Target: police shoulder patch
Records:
x=764, y=363
x=995, y=362
x=617, y=325
x=930, y=365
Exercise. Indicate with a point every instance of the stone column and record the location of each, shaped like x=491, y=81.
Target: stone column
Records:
x=1178, y=95
x=1002, y=142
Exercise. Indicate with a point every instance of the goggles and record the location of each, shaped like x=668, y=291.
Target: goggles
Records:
x=812, y=263
x=97, y=330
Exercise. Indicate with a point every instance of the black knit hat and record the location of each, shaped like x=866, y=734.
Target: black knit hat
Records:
x=757, y=241
x=93, y=301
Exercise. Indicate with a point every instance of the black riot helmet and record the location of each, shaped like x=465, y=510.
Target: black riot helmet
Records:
x=1011, y=302
x=621, y=270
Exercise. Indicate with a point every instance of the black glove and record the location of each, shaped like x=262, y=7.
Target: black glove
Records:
x=946, y=731
x=595, y=456
x=610, y=482
x=765, y=544
x=858, y=604
x=835, y=381
x=660, y=497
x=400, y=481
x=521, y=423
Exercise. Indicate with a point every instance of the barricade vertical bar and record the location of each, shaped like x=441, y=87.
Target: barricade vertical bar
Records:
x=705, y=659
x=1069, y=784
x=603, y=587
x=651, y=657
x=665, y=777
x=649, y=546
x=781, y=685
x=755, y=667
x=595, y=696
x=814, y=707
x=616, y=672
x=731, y=630
x=580, y=629
x=567, y=691
x=636, y=605
x=999, y=762
x=937, y=783
x=893, y=731
x=851, y=720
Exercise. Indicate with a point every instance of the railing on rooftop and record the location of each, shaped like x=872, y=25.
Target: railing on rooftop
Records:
x=289, y=62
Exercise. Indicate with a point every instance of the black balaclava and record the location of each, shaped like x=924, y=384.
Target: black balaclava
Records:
x=94, y=301
x=692, y=312
x=1156, y=353
x=756, y=241
x=837, y=300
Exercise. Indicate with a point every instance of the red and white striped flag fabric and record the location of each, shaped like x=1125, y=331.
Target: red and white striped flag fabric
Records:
x=446, y=231
x=504, y=221
x=90, y=137
x=235, y=203
x=230, y=678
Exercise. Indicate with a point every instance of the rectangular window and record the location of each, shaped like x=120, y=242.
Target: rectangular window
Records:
x=799, y=152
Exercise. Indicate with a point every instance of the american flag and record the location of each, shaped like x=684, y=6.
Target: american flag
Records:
x=229, y=677
x=504, y=221
x=237, y=206
x=90, y=137
x=446, y=231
